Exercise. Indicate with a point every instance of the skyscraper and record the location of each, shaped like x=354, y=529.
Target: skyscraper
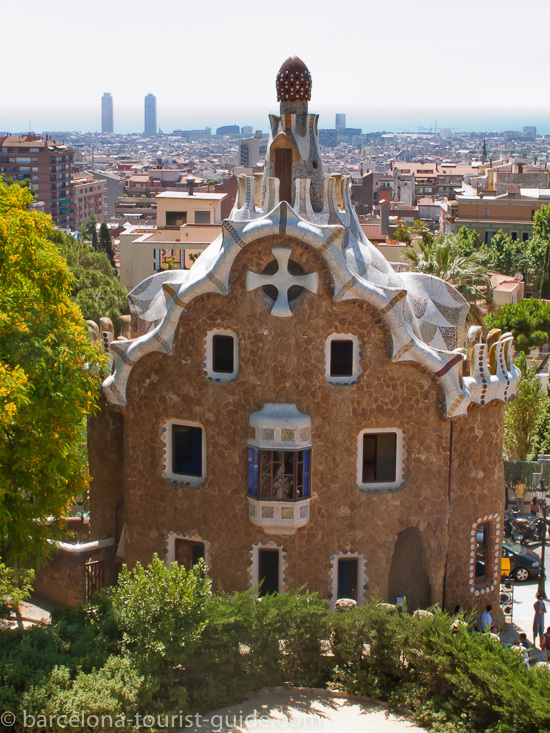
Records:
x=340, y=122
x=150, y=114
x=107, y=113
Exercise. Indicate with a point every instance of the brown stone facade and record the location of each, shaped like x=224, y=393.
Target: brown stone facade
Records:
x=452, y=472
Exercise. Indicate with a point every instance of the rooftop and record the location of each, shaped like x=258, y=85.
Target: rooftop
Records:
x=185, y=195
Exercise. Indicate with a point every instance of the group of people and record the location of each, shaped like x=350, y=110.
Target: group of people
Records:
x=524, y=646
x=522, y=643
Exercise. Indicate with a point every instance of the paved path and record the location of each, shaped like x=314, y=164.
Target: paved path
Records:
x=302, y=709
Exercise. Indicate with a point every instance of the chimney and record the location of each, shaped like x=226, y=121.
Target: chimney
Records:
x=384, y=218
x=190, y=185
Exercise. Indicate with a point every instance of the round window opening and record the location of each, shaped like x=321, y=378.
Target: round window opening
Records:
x=294, y=269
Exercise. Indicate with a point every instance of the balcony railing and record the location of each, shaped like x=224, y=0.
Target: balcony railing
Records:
x=278, y=517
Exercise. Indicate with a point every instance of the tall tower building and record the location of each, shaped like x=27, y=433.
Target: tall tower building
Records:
x=340, y=122
x=150, y=114
x=107, y=113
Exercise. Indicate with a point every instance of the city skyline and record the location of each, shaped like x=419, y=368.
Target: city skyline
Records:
x=409, y=70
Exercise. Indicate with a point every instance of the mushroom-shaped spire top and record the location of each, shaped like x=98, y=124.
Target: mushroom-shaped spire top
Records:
x=293, y=81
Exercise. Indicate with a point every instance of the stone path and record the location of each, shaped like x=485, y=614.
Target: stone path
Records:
x=298, y=708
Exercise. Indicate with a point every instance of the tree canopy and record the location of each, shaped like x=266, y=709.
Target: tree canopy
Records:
x=521, y=415
x=528, y=320
x=96, y=287
x=105, y=245
x=444, y=258
x=48, y=381
x=88, y=227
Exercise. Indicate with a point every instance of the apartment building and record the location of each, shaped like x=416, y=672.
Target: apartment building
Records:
x=88, y=197
x=414, y=181
x=187, y=222
x=46, y=164
x=511, y=212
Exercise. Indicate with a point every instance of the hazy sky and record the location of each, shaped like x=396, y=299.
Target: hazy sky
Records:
x=385, y=64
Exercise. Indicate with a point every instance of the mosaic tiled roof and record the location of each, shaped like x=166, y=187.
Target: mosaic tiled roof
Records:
x=293, y=81
x=424, y=315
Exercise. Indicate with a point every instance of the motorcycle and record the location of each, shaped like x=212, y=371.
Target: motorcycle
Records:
x=529, y=530
x=509, y=518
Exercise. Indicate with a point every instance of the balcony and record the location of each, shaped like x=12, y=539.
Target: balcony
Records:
x=278, y=517
x=279, y=469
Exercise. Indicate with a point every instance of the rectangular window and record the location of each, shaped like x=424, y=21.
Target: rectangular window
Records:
x=176, y=218
x=202, y=217
x=484, y=549
x=348, y=569
x=341, y=358
x=268, y=574
x=279, y=475
x=187, y=450
x=379, y=457
x=223, y=359
x=188, y=552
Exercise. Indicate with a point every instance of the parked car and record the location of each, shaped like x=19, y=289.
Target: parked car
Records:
x=524, y=563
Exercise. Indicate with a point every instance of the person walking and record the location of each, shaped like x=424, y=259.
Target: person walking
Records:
x=486, y=620
x=538, y=620
x=520, y=493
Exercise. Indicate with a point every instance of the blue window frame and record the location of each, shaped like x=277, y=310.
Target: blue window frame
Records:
x=279, y=475
x=187, y=450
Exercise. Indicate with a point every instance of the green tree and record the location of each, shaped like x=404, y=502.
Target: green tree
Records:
x=541, y=438
x=467, y=241
x=46, y=384
x=162, y=612
x=541, y=223
x=95, y=242
x=105, y=244
x=419, y=229
x=87, y=227
x=402, y=232
x=467, y=273
x=521, y=415
x=96, y=287
x=545, y=274
x=528, y=321
x=506, y=256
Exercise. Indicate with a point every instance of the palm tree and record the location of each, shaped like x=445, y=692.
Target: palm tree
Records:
x=466, y=272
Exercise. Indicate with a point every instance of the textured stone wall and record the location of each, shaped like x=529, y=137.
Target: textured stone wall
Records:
x=62, y=580
x=281, y=360
x=106, y=458
x=476, y=492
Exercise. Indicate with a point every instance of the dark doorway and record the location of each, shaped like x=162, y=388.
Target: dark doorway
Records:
x=408, y=577
x=188, y=553
x=283, y=171
x=269, y=571
x=347, y=577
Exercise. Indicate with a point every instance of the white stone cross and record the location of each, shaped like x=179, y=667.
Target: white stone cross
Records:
x=283, y=280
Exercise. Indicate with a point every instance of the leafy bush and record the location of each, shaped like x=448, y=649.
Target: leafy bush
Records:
x=162, y=614
x=162, y=644
x=114, y=690
x=458, y=681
